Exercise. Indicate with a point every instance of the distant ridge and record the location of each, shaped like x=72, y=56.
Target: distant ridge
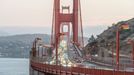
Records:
x=109, y=35
x=18, y=46
x=2, y=33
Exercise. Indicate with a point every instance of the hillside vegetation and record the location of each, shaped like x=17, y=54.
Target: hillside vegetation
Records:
x=107, y=39
x=18, y=46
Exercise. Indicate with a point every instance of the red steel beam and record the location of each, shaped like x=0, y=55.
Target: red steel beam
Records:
x=75, y=20
x=117, y=48
x=45, y=68
x=66, y=17
x=57, y=27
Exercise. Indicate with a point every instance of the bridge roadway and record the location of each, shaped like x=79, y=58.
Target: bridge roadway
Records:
x=40, y=65
x=49, y=69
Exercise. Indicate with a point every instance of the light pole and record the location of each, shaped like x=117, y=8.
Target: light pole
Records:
x=124, y=26
x=117, y=47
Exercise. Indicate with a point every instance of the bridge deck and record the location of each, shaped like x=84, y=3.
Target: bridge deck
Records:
x=62, y=70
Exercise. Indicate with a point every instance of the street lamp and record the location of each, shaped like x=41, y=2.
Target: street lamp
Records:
x=117, y=47
x=124, y=26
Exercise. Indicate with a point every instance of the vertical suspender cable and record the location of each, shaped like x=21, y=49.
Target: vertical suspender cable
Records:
x=52, y=34
x=81, y=23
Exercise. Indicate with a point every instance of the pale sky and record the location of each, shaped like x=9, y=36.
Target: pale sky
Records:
x=39, y=12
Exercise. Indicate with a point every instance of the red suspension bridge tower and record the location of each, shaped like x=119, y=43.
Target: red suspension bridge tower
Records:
x=72, y=20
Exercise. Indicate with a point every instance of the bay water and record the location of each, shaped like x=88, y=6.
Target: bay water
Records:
x=14, y=66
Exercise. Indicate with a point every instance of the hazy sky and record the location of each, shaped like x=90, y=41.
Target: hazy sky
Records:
x=39, y=12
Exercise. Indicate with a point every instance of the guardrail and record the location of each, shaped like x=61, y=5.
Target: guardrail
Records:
x=60, y=70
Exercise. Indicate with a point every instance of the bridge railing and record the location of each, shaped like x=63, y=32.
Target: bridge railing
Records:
x=58, y=69
x=111, y=63
x=123, y=67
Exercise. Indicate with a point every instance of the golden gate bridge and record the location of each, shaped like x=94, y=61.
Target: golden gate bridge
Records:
x=64, y=54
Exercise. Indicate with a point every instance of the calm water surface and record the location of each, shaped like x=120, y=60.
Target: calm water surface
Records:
x=14, y=66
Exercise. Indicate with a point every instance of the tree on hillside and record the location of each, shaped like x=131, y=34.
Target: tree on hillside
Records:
x=91, y=39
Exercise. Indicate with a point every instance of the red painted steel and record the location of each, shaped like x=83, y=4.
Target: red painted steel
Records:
x=59, y=70
x=75, y=21
x=60, y=18
x=117, y=47
x=66, y=17
x=70, y=18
